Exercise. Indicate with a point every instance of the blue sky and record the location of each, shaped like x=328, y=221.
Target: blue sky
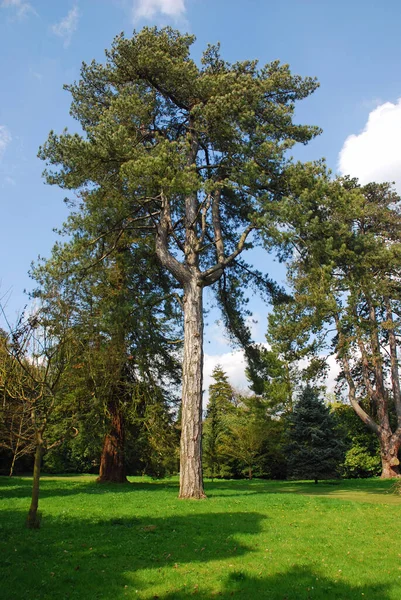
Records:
x=352, y=47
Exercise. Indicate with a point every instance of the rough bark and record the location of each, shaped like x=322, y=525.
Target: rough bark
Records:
x=191, y=483
x=389, y=446
x=112, y=462
x=33, y=518
x=189, y=275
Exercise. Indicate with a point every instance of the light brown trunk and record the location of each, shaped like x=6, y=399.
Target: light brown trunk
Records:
x=191, y=482
x=389, y=456
x=33, y=519
x=13, y=464
x=112, y=462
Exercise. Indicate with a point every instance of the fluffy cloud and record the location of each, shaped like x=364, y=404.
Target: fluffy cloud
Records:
x=375, y=153
x=5, y=139
x=67, y=26
x=21, y=8
x=146, y=9
x=233, y=364
x=332, y=374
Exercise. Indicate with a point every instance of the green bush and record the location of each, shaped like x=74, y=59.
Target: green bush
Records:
x=359, y=462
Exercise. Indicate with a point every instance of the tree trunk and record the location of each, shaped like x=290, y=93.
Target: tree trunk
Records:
x=112, y=462
x=13, y=464
x=389, y=447
x=191, y=483
x=33, y=519
x=249, y=472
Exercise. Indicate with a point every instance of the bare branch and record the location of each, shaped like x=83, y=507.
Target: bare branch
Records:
x=342, y=355
x=180, y=272
x=213, y=273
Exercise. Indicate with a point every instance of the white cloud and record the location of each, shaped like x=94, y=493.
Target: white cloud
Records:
x=375, y=153
x=5, y=139
x=22, y=9
x=146, y=9
x=332, y=373
x=67, y=26
x=233, y=364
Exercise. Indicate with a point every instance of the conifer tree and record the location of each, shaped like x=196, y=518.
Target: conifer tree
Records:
x=220, y=405
x=190, y=153
x=123, y=319
x=343, y=242
x=315, y=449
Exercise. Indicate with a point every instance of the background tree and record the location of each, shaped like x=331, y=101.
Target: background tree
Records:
x=289, y=361
x=35, y=377
x=274, y=378
x=122, y=316
x=221, y=404
x=246, y=430
x=153, y=435
x=16, y=429
x=362, y=456
x=315, y=449
x=199, y=151
x=345, y=271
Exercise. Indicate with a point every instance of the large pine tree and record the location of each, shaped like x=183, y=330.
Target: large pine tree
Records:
x=198, y=152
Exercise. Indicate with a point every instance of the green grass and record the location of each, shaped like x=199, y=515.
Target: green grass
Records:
x=275, y=540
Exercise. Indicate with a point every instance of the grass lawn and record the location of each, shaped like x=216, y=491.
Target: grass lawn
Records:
x=259, y=539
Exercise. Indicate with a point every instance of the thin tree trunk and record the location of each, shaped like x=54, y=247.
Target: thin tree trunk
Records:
x=395, y=376
x=12, y=464
x=191, y=482
x=249, y=472
x=382, y=395
x=33, y=519
x=112, y=462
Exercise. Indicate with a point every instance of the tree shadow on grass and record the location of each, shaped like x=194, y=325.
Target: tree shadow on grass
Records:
x=171, y=558
x=50, y=488
x=98, y=558
x=299, y=583
x=166, y=558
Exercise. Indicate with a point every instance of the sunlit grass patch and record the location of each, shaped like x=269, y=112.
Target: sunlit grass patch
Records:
x=276, y=540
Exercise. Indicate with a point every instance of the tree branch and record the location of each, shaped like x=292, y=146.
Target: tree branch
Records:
x=214, y=273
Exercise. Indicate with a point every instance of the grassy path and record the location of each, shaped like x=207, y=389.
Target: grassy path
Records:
x=275, y=540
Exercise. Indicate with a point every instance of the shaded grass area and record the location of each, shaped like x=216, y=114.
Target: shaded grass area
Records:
x=276, y=540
